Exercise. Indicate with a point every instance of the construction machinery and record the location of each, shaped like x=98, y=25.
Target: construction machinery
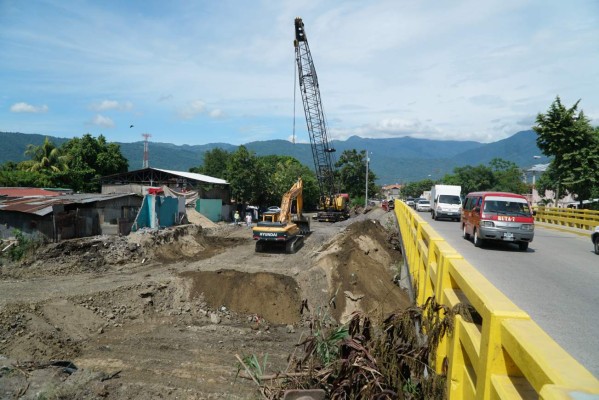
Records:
x=333, y=206
x=284, y=229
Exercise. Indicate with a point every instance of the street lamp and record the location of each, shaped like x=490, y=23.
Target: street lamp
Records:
x=534, y=175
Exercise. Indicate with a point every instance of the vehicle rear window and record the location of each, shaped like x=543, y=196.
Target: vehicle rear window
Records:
x=449, y=199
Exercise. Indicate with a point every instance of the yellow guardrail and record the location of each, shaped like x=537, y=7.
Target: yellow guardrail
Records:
x=571, y=217
x=503, y=354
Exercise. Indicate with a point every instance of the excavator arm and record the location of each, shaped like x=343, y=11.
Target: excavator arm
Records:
x=284, y=228
x=295, y=193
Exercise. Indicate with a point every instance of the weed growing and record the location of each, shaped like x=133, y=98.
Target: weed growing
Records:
x=360, y=361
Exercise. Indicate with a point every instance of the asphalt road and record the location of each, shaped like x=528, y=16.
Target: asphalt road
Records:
x=556, y=281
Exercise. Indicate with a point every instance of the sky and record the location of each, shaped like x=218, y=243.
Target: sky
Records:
x=198, y=72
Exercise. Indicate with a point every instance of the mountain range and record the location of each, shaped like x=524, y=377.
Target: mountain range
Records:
x=393, y=160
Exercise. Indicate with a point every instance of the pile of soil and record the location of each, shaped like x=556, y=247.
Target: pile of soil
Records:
x=196, y=218
x=99, y=254
x=273, y=297
x=361, y=264
x=171, y=327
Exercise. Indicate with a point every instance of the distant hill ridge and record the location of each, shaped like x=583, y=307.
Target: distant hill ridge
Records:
x=393, y=160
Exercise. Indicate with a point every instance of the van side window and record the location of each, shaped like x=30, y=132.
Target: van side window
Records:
x=479, y=202
x=468, y=204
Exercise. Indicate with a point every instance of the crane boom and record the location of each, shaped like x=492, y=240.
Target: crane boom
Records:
x=331, y=203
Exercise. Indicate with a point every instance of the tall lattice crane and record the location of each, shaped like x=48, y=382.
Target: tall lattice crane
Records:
x=333, y=206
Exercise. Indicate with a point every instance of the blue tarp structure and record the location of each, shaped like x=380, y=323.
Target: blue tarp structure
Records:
x=158, y=212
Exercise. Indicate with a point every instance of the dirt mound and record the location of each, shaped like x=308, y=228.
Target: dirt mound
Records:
x=196, y=218
x=361, y=264
x=273, y=297
x=99, y=254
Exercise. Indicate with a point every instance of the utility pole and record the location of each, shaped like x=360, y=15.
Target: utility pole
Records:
x=366, y=199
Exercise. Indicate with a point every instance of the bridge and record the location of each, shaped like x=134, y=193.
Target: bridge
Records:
x=536, y=332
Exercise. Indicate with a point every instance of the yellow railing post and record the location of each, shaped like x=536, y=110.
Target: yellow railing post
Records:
x=502, y=355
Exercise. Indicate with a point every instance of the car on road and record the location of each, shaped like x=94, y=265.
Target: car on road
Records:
x=391, y=204
x=423, y=205
x=497, y=216
x=274, y=209
x=410, y=202
x=595, y=239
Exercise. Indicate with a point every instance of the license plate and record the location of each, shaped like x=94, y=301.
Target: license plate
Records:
x=508, y=236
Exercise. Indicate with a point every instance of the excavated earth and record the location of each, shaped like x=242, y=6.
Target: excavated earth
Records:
x=163, y=314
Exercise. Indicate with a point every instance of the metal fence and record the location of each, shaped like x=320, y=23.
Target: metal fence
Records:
x=570, y=217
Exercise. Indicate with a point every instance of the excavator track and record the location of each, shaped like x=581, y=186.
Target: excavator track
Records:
x=294, y=244
x=291, y=246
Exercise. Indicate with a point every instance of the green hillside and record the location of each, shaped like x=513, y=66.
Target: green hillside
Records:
x=393, y=160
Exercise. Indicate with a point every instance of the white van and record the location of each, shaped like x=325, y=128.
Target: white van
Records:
x=446, y=202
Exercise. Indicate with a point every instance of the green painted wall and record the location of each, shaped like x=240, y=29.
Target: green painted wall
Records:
x=210, y=208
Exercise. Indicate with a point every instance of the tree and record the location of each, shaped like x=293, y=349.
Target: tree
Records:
x=567, y=135
x=471, y=179
x=243, y=175
x=286, y=173
x=415, y=189
x=508, y=177
x=22, y=178
x=89, y=159
x=270, y=192
x=214, y=163
x=352, y=173
x=45, y=158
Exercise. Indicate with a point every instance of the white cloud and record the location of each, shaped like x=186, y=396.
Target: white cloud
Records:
x=198, y=107
x=388, y=128
x=28, y=108
x=216, y=113
x=297, y=139
x=477, y=72
x=193, y=109
x=104, y=122
x=105, y=105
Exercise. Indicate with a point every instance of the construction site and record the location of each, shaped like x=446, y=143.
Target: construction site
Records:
x=165, y=313
x=133, y=298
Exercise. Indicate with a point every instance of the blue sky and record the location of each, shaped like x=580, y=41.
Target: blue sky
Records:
x=223, y=71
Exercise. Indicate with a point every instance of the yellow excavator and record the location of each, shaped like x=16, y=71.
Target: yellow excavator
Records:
x=284, y=229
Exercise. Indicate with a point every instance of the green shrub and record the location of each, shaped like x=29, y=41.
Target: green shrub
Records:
x=23, y=245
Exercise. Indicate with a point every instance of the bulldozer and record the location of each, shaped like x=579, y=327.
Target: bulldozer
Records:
x=285, y=229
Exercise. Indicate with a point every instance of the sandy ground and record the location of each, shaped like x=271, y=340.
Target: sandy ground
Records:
x=163, y=314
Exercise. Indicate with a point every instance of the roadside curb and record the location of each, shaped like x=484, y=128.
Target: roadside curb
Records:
x=567, y=229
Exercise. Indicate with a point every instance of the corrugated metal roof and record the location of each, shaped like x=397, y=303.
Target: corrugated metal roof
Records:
x=25, y=192
x=194, y=176
x=38, y=206
x=43, y=205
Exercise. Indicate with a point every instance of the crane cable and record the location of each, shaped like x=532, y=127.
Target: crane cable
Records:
x=294, y=101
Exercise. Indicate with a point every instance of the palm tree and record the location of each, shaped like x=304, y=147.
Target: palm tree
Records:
x=46, y=157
